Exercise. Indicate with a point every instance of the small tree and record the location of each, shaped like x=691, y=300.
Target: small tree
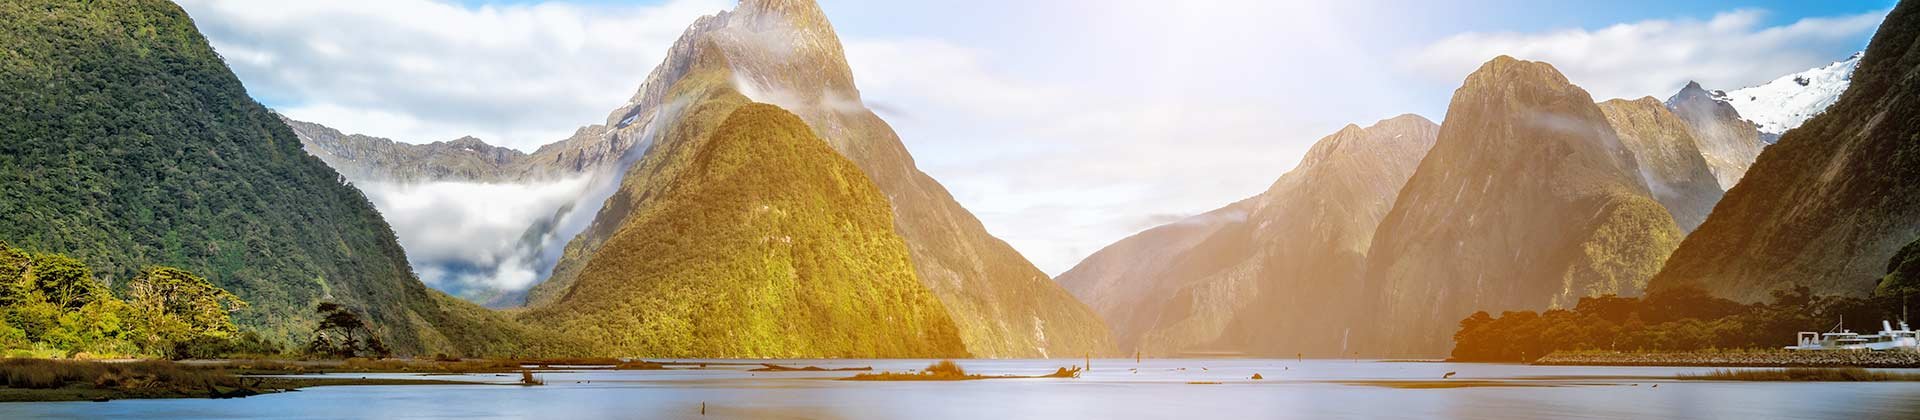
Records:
x=15, y=287
x=65, y=281
x=175, y=306
x=342, y=334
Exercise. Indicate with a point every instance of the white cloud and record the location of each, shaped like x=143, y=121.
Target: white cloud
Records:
x=1657, y=57
x=471, y=236
x=420, y=71
x=1060, y=172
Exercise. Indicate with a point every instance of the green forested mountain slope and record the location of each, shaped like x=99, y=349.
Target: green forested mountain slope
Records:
x=785, y=52
x=125, y=141
x=748, y=236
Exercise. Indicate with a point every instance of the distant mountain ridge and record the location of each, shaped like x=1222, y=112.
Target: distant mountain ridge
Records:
x=364, y=157
x=1528, y=199
x=1273, y=275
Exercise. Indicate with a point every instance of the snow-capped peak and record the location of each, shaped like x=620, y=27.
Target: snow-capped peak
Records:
x=1790, y=100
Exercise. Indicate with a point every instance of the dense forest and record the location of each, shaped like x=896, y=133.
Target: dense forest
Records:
x=126, y=142
x=1685, y=319
x=51, y=305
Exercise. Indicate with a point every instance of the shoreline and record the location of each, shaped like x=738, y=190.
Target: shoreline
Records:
x=1733, y=359
x=256, y=385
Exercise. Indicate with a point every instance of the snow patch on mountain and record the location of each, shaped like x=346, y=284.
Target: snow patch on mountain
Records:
x=1790, y=100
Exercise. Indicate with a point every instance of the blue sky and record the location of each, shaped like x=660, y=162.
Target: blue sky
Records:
x=1065, y=125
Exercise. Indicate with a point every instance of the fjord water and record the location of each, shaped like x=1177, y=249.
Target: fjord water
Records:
x=1114, y=389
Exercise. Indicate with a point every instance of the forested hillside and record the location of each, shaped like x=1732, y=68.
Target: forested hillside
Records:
x=126, y=142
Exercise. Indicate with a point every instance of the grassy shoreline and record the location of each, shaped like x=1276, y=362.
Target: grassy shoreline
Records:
x=43, y=380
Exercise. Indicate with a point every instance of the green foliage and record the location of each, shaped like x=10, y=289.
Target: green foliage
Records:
x=342, y=334
x=756, y=240
x=1903, y=275
x=178, y=307
x=127, y=143
x=56, y=305
x=1673, y=319
x=64, y=281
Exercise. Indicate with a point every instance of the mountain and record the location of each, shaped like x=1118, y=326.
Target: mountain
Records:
x=475, y=218
x=1275, y=274
x=755, y=240
x=1528, y=200
x=364, y=158
x=1728, y=142
x=361, y=157
x=1787, y=102
x=129, y=143
x=1670, y=160
x=1830, y=203
x=785, y=53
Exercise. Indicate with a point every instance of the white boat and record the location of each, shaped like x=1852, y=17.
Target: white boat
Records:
x=1888, y=339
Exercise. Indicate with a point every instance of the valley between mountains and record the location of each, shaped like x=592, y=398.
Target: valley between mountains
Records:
x=746, y=202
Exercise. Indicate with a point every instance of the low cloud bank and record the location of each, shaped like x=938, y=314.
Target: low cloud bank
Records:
x=468, y=238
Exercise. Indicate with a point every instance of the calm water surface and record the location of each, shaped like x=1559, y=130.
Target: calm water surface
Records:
x=1115, y=389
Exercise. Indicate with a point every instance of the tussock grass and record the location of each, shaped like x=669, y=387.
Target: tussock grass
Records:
x=53, y=374
x=1803, y=375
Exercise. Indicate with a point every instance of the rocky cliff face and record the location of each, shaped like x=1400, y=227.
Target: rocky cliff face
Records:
x=1829, y=203
x=1728, y=142
x=786, y=53
x=1670, y=160
x=364, y=158
x=1528, y=200
x=1273, y=275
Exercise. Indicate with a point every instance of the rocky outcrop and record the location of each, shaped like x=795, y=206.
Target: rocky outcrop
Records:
x=1728, y=142
x=1670, y=160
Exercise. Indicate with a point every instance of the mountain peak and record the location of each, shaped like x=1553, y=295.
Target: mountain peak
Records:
x=788, y=11
x=469, y=141
x=1788, y=101
x=1694, y=95
x=1501, y=73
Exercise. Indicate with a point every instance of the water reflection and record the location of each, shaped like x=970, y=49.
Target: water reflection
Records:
x=1114, y=389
